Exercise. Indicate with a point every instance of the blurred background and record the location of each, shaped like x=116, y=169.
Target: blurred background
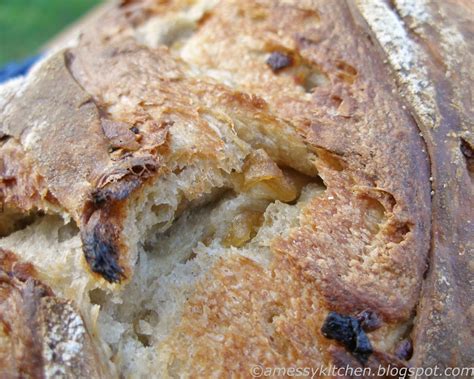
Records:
x=27, y=25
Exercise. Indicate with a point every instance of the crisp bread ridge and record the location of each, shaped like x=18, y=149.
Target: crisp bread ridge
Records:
x=443, y=38
x=216, y=207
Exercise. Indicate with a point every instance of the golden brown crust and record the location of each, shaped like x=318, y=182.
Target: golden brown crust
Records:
x=305, y=84
x=22, y=187
x=364, y=243
x=354, y=119
x=244, y=315
x=41, y=335
x=438, y=39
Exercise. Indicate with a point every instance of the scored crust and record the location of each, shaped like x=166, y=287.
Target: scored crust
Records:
x=429, y=46
x=236, y=170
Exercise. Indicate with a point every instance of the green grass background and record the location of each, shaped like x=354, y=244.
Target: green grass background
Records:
x=26, y=25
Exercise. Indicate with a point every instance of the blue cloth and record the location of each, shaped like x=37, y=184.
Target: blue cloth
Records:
x=14, y=69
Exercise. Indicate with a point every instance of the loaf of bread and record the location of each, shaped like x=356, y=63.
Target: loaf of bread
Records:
x=191, y=188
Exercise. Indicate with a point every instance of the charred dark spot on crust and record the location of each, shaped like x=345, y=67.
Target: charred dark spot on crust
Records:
x=278, y=61
x=100, y=248
x=348, y=331
x=4, y=137
x=404, y=350
x=99, y=197
x=466, y=149
x=101, y=253
x=468, y=152
x=102, y=259
x=102, y=234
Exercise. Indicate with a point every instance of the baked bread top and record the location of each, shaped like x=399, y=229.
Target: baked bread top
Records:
x=42, y=335
x=208, y=180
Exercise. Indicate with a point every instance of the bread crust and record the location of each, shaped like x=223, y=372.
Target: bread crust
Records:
x=321, y=88
x=41, y=335
x=440, y=37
